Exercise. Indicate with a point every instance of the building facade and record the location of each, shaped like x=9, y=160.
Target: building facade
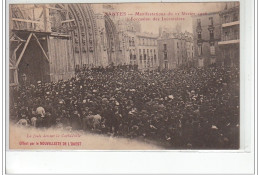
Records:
x=189, y=47
x=207, y=34
x=138, y=48
x=129, y=41
x=68, y=37
x=49, y=42
x=229, y=43
x=147, y=51
x=175, y=49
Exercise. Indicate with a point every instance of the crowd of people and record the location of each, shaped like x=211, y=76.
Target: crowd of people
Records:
x=184, y=108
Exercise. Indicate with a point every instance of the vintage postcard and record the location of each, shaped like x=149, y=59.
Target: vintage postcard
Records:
x=124, y=76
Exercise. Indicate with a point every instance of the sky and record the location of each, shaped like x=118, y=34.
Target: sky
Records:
x=174, y=8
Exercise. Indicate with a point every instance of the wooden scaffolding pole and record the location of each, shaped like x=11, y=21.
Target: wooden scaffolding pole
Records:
x=13, y=60
x=24, y=48
x=38, y=42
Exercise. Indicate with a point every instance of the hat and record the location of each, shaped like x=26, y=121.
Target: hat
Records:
x=214, y=127
x=171, y=96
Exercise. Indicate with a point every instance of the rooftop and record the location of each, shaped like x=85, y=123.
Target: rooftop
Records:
x=147, y=35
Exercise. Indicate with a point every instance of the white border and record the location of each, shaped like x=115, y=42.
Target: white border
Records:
x=162, y=162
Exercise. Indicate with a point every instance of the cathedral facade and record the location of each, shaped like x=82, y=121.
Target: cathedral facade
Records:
x=49, y=42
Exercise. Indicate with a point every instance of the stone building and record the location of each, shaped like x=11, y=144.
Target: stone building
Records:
x=189, y=47
x=229, y=43
x=175, y=49
x=49, y=42
x=136, y=47
x=147, y=51
x=128, y=40
x=207, y=33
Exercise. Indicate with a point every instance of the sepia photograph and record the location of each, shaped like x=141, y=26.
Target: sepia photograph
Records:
x=124, y=76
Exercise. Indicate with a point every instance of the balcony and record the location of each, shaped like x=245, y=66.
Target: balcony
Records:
x=229, y=39
x=231, y=23
x=231, y=36
x=229, y=42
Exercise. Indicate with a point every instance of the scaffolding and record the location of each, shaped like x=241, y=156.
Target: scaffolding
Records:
x=37, y=23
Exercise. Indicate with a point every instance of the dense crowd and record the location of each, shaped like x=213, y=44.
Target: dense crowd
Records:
x=187, y=108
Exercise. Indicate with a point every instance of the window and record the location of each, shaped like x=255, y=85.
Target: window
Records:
x=177, y=45
x=226, y=36
x=131, y=59
x=211, y=34
x=212, y=49
x=133, y=41
x=148, y=62
x=225, y=19
x=164, y=47
x=165, y=56
x=143, y=42
x=236, y=34
x=200, y=50
x=166, y=64
x=77, y=68
x=199, y=35
x=235, y=17
x=211, y=20
x=198, y=22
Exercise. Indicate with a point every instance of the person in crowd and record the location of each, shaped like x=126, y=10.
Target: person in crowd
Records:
x=193, y=108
